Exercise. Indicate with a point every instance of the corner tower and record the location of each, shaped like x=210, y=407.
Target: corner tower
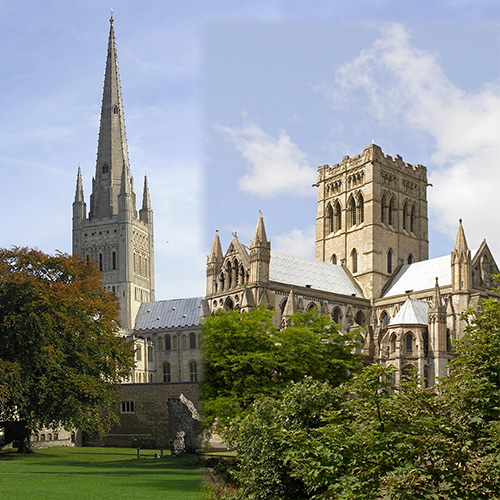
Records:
x=113, y=235
x=372, y=216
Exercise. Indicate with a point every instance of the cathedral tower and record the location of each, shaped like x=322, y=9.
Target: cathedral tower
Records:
x=113, y=235
x=372, y=216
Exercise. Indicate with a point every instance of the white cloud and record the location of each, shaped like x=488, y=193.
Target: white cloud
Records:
x=407, y=88
x=296, y=242
x=277, y=165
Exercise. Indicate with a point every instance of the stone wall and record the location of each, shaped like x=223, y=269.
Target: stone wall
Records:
x=144, y=416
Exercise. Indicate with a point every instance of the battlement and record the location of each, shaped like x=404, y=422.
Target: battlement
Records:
x=371, y=153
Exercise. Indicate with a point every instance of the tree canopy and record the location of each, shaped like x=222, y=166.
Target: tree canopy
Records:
x=60, y=358
x=368, y=439
x=246, y=357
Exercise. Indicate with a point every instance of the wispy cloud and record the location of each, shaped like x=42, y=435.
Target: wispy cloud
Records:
x=276, y=164
x=296, y=242
x=407, y=86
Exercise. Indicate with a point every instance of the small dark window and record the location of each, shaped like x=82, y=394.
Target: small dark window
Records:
x=389, y=261
x=409, y=343
x=127, y=407
x=166, y=372
x=192, y=340
x=354, y=256
x=100, y=262
x=114, y=260
x=168, y=345
x=193, y=371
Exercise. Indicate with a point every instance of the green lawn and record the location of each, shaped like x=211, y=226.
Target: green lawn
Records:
x=98, y=474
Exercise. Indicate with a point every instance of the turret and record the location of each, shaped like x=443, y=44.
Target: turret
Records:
x=461, y=268
x=437, y=332
x=260, y=254
x=146, y=213
x=79, y=206
x=214, y=264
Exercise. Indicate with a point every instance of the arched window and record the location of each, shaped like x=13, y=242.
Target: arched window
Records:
x=166, y=372
x=392, y=212
x=360, y=318
x=409, y=343
x=160, y=343
x=193, y=371
x=310, y=306
x=49, y=437
x=351, y=212
x=384, y=319
x=228, y=304
x=138, y=353
x=412, y=219
x=42, y=437
x=334, y=259
x=168, y=344
x=192, y=340
x=175, y=345
x=384, y=209
x=410, y=259
x=337, y=315
x=389, y=261
x=393, y=343
x=329, y=225
x=184, y=342
x=150, y=354
x=235, y=272
x=406, y=216
x=361, y=209
x=354, y=258
x=337, y=216
x=114, y=260
x=228, y=275
x=283, y=305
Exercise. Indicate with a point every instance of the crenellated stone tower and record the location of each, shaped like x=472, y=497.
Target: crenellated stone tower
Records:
x=114, y=235
x=372, y=216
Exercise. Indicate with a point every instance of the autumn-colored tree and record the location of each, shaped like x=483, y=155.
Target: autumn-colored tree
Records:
x=60, y=356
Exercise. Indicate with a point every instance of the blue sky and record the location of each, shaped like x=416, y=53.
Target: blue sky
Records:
x=231, y=106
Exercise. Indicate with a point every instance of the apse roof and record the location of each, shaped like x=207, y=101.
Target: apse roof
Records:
x=300, y=271
x=169, y=313
x=412, y=312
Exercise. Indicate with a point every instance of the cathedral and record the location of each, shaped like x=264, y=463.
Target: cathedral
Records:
x=371, y=271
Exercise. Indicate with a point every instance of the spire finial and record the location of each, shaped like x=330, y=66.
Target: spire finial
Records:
x=111, y=17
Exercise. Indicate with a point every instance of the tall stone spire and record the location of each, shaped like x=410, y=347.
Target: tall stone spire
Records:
x=112, y=152
x=113, y=236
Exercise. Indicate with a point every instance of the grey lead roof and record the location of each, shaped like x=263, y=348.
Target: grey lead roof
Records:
x=413, y=312
x=421, y=276
x=300, y=271
x=169, y=313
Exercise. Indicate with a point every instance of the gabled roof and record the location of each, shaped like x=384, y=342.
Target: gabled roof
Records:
x=413, y=312
x=300, y=271
x=169, y=313
x=421, y=276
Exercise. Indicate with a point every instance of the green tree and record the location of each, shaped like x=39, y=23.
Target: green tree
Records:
x=257, y=437
x=60, y=352
x=411, y=442
x=246, y=358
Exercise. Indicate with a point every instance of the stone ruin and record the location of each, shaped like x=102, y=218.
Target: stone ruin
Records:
x=184, y=424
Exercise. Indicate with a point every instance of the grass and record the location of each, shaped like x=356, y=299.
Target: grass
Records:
x=98, y=474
